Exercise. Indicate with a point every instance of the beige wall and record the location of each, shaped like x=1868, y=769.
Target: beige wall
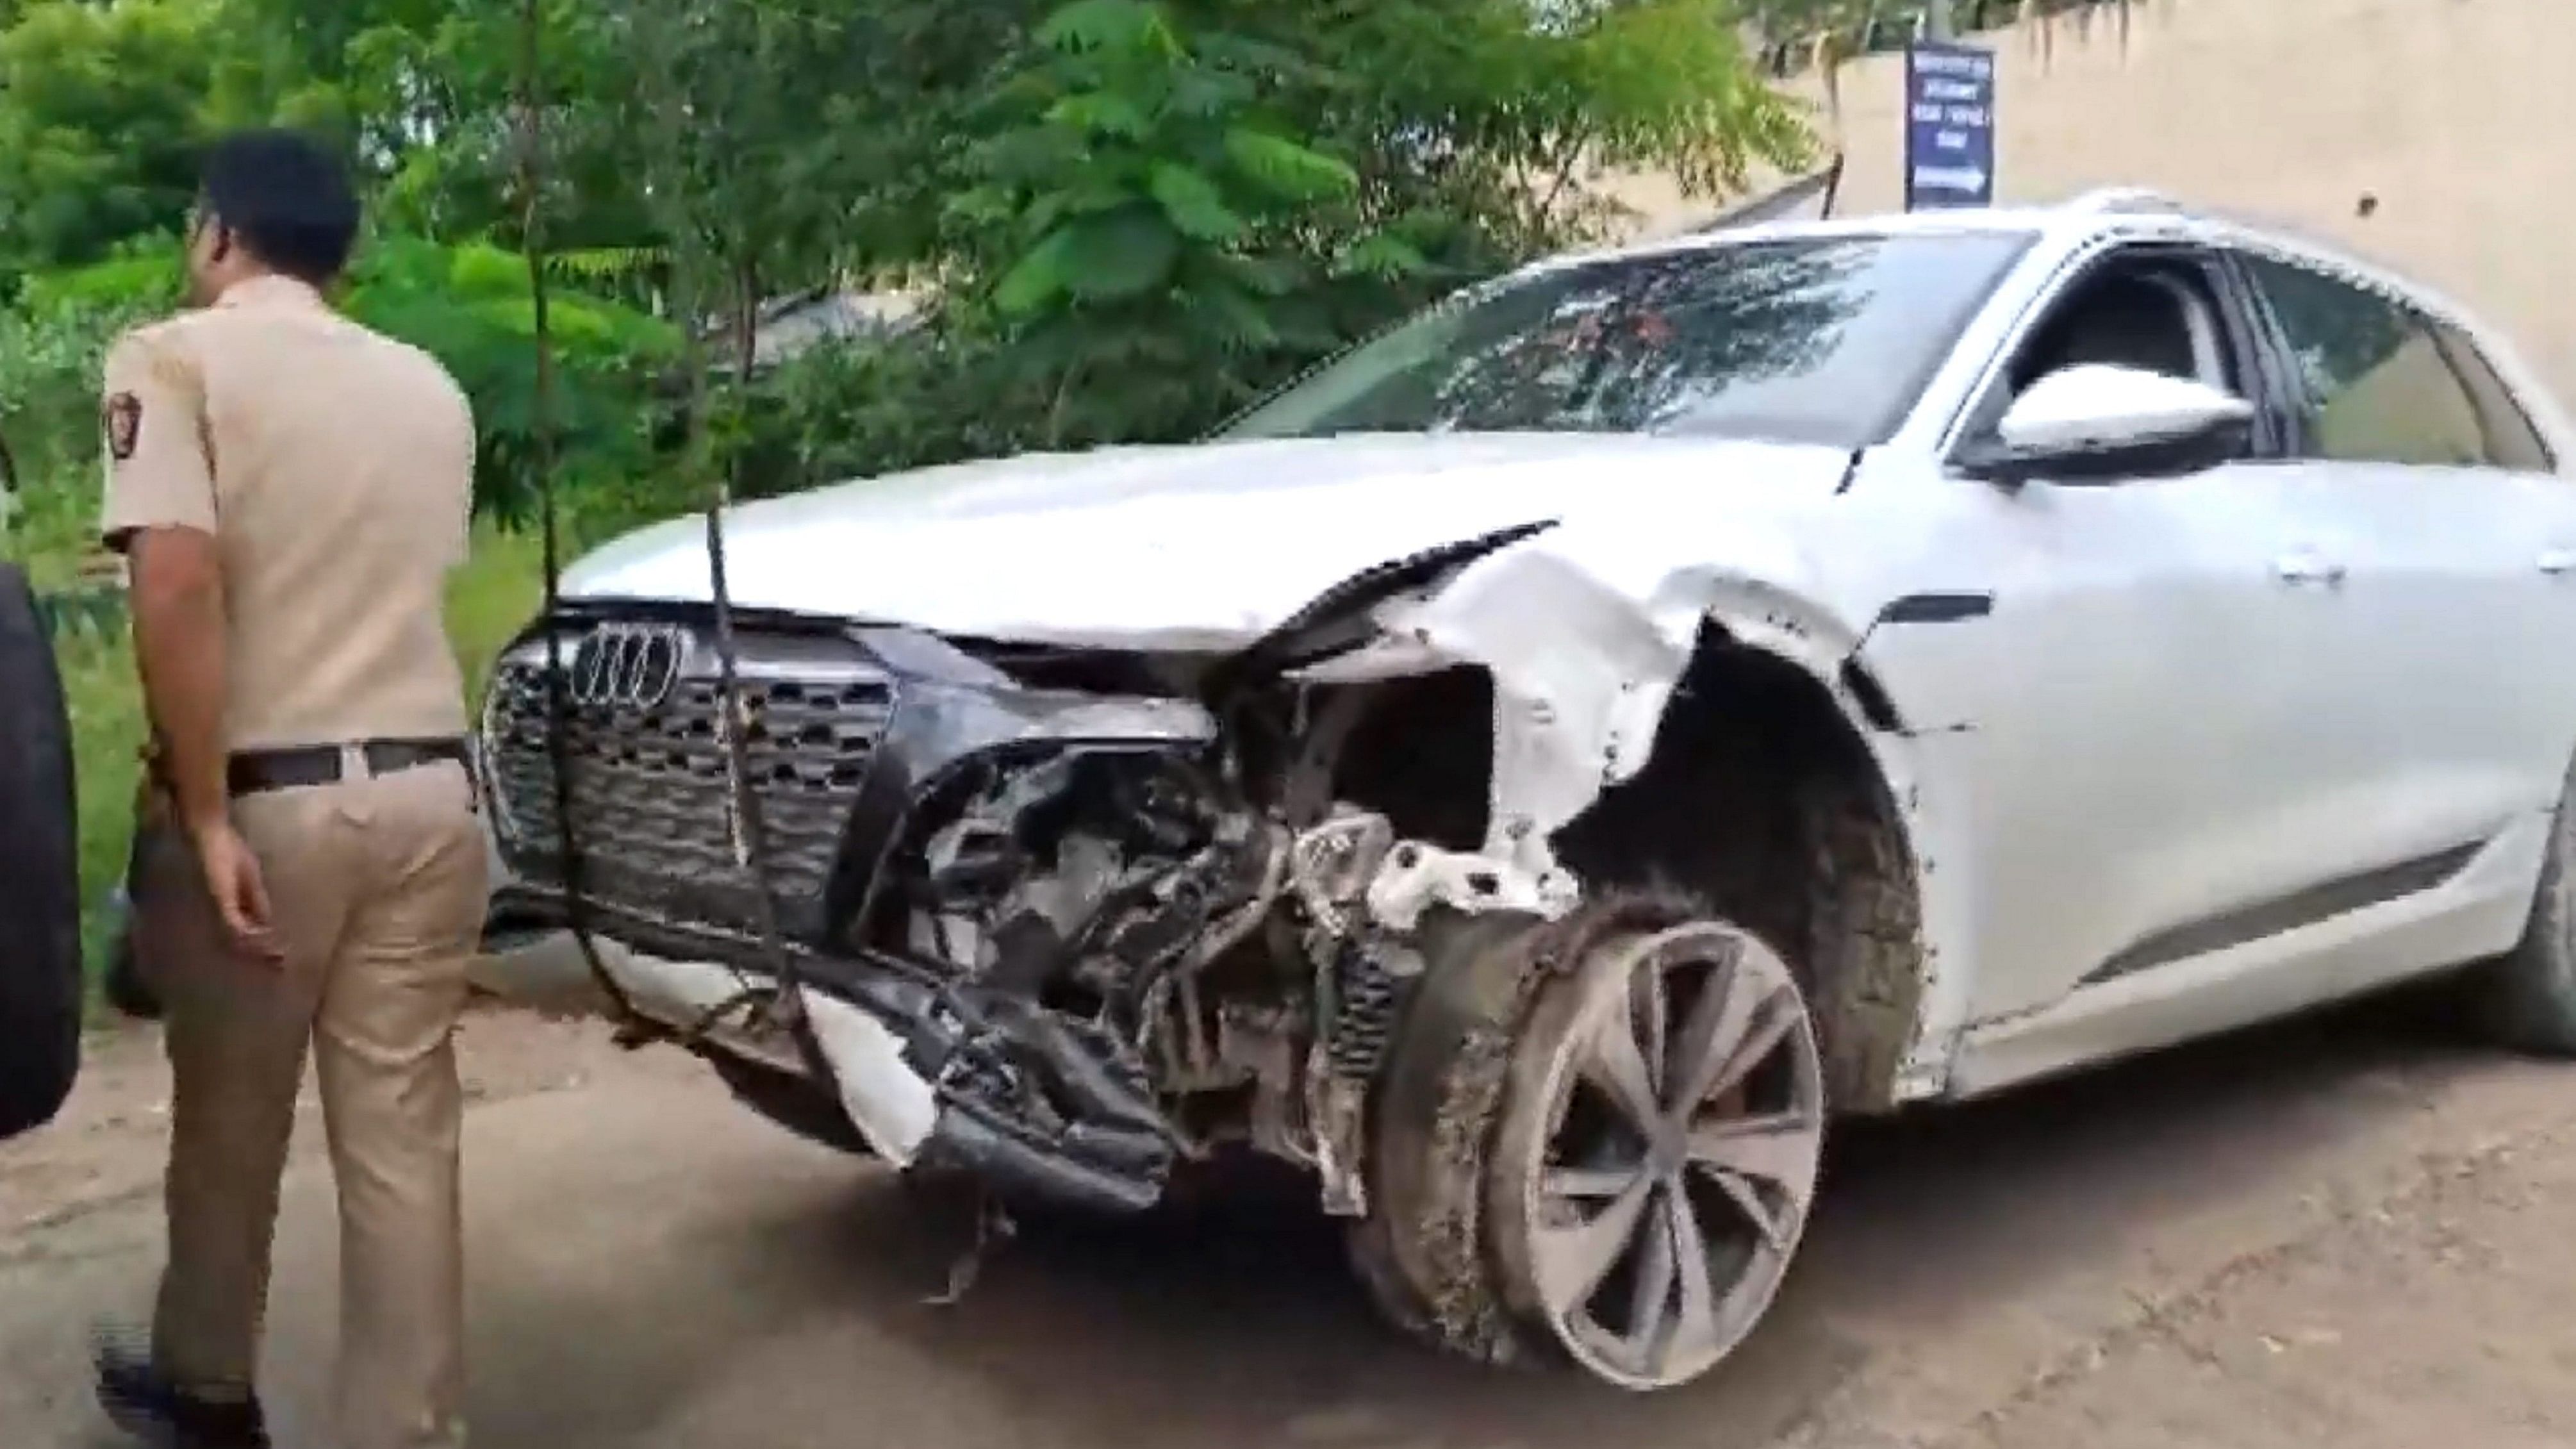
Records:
x=2458, y=115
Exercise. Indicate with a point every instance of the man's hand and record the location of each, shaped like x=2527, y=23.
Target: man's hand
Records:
x=233, y=879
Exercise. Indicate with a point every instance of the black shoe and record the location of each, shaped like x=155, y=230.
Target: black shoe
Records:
x=140, y=1401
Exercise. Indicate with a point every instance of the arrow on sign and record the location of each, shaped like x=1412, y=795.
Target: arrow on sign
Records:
x=1950, y=178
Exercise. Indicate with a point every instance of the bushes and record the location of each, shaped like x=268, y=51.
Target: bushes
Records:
x=108, y=732
x=469, y=306
x=1140, y=213
x=51, y=347
x=1140, y=216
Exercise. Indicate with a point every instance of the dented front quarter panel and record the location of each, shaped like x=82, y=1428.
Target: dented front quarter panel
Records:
x=1586, y=631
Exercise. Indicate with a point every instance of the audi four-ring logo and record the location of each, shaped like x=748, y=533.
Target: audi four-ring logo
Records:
x=633, y=666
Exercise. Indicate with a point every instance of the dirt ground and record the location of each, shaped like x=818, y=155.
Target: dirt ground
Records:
x=2352, y=1230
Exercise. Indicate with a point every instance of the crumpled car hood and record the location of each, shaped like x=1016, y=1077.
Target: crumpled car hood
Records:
x=1197, y=548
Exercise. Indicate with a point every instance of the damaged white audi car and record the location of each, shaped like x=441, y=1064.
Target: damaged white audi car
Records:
x=1542, y=768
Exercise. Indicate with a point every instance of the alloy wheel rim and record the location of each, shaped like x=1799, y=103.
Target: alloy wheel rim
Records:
x=1666, y=1163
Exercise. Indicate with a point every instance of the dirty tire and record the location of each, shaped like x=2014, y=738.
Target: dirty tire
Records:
x=40, y=967
x=1423, y=1251
x=1416, y=1252
x=1862, y=963
x=2527, y=999
x=1659, y=1151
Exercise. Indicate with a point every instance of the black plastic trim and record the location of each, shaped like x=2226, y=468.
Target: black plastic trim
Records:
x=950, y=711
x=2306, y=907
x=1944, y=607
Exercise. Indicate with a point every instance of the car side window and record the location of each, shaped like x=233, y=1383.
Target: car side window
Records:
x=2380, y=389
x=2512, y=440
x=2141, y=313
x=2152, y=307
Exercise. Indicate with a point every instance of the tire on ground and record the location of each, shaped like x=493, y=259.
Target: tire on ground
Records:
x=1422, y=1251
x=2527, y=998
x=40, y=968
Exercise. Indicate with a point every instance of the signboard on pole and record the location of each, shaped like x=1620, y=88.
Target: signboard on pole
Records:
x=1949, y=125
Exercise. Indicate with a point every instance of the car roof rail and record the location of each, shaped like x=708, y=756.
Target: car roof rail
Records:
x=2126, y=199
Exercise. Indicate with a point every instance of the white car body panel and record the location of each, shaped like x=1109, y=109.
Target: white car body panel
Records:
x=1209, y=547
x=2152, y=726
x=2479, y=914
x=2106, y=599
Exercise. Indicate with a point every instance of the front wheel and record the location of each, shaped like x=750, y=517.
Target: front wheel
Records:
x=1659, y=1154
x=1653, y=1155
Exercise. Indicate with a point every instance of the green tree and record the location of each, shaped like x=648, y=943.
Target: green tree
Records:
x=1143, y=209
x=423, y=92
x=469, y=306
x=101, y=107
x=1190, y=210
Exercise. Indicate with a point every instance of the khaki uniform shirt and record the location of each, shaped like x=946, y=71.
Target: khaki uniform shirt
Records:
x=335, y=469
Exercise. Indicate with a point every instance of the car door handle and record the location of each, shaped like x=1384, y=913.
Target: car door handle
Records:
x=2558, y=562
x=2305, y=567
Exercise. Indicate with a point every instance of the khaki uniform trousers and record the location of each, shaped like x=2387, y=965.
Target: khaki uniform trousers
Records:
x=377, y=888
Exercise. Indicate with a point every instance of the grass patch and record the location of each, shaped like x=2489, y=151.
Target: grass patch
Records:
x=488, y=600
x=107, y=745
x=491, y=598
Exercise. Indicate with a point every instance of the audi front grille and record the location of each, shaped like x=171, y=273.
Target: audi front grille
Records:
x=651, y=814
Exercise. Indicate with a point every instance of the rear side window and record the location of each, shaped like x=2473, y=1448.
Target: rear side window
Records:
x=2512, y=441
x=2380, y=389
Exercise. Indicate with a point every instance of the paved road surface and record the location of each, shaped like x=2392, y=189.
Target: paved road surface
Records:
x=2351, y=1232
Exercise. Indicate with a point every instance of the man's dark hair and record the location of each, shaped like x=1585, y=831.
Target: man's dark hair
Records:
x=287, y=197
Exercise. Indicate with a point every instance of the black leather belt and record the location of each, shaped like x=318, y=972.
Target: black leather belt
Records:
x=254, y=771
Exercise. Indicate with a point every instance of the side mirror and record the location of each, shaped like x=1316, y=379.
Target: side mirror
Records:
x=2097, y=421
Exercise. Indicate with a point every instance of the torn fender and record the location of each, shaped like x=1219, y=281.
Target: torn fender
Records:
x=1585, y=663
x=1586, y=643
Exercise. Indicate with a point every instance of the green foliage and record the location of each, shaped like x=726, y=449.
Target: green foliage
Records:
x=1136, y=216
x=469, y=306
x=108, y=730
x=1173, y=208
x=490, y=599
x=100, y=106
x=1143, y=209
x=51, y=347
x=933, y=396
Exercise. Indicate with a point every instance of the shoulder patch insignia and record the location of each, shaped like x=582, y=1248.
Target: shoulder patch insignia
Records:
x=124, y=425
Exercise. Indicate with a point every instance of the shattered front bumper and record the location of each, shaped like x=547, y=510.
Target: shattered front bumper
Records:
x=881, y=1044
x=927, y=1067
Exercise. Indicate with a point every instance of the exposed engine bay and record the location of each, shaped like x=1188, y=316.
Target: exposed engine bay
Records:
x=1163, y=937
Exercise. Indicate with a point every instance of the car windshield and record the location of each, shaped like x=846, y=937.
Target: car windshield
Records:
x=1823, y=339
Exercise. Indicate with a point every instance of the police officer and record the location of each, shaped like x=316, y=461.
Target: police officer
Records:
x=290, y=491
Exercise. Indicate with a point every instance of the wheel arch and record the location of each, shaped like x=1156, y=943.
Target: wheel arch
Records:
x=1777, y=729
x=1599, y=719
